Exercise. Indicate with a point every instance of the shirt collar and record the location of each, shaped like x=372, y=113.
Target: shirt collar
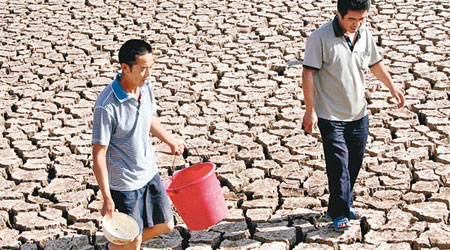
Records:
x=120, y=93
x=118, y=90
x=338, y=30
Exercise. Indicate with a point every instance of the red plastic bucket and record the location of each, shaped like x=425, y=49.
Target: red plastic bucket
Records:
x=196, y=194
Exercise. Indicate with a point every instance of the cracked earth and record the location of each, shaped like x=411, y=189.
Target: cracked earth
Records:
x=227, y=81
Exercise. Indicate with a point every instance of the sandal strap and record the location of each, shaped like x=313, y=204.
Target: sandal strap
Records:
x=339, y=221
x=354, y=213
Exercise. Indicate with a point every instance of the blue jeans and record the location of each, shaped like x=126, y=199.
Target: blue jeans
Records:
x=344, y=144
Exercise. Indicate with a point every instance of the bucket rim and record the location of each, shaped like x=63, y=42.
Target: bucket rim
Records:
x=173, y=190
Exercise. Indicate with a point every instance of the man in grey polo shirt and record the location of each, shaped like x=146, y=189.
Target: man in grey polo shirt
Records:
x=123, y=157
x=337, y=55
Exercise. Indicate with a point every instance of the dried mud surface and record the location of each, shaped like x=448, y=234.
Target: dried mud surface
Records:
x=227, y=81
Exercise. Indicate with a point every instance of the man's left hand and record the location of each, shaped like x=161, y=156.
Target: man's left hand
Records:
x=177, y=146
x=398, y=95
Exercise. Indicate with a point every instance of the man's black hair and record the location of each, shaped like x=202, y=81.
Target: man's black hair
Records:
x=359, y=5
x=132, y=48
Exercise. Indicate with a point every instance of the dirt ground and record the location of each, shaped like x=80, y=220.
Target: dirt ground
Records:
x=227, y=81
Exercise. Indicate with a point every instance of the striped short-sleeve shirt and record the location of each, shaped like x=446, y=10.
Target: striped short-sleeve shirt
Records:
x=123, y=124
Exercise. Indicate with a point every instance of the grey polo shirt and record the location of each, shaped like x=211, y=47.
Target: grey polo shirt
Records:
x=339, y=79
x=123, y=124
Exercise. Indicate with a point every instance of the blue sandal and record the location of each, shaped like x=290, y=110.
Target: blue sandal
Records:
x=354, y=214
x=339, y=221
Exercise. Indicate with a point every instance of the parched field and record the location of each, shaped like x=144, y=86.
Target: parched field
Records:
x=228, y=81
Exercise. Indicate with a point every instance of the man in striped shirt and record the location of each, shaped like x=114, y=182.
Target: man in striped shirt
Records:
x=123, y=157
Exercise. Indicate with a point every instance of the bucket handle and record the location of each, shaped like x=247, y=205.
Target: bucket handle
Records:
x=190, y=146
x=174, y=190
x=192, y=183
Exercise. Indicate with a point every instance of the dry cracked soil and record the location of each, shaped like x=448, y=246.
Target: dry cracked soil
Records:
x=227, y=81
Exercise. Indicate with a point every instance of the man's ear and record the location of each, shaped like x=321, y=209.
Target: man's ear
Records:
x=125, y=67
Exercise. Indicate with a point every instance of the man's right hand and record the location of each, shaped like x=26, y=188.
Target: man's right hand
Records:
x=108, y=207
x=101, y=174
x=310, y=121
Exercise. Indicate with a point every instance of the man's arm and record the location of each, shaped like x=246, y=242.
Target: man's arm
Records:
x=380, y=72
x=101, y=174
x=177, y=146
x=310, y=116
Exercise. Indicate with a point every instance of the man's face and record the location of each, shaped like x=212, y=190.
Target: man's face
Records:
x=141, y=69
x=353, y=20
